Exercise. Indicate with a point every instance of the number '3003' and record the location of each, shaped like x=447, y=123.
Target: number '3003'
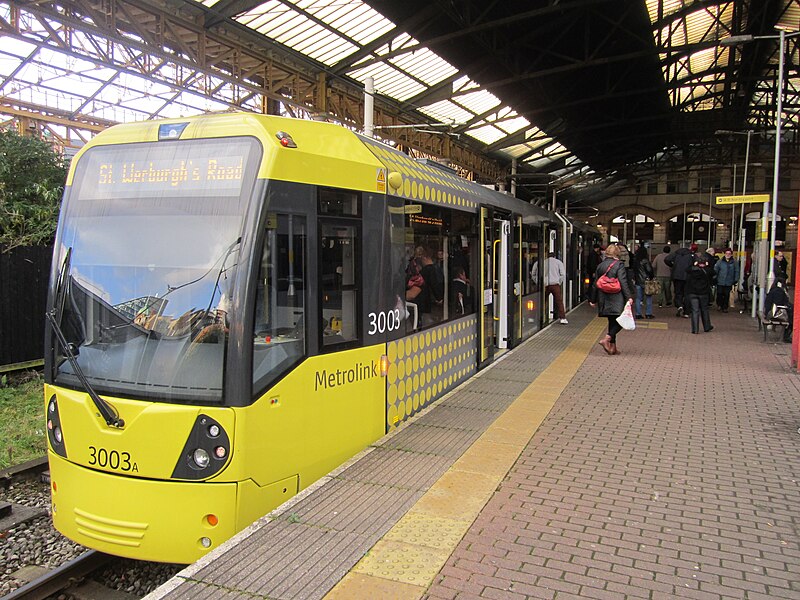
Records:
x=384, y=321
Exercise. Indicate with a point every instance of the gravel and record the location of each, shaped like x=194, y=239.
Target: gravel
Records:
x=38, y=543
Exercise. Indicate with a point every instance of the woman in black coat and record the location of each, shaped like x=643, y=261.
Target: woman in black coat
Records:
x=611, y=305
x=698, y=291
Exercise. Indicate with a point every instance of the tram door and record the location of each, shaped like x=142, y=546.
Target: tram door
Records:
x=496, y=318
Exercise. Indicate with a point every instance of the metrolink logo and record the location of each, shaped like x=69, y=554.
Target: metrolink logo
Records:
x=331, y=379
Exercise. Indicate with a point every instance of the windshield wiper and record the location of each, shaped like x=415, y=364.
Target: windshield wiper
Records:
x=108, y=412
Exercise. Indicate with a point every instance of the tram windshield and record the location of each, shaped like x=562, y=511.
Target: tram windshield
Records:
x=154, y=231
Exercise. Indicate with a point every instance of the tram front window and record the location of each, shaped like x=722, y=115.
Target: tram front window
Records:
x=147, y=295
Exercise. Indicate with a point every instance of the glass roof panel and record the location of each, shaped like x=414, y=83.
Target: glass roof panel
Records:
x=488, y=134
x=703, y=60
x=514, y=125
x=425, y=65
x=447, y=112
x=478, y=102
x=325, y=30
x=17, y=47
x=698, y=24
x=790, y=19
x=670, y=7
x=8, y=64
x=516, y=150
x=389, y=81
x=356, y=20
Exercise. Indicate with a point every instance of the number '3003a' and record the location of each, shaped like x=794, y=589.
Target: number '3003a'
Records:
x=111, y=459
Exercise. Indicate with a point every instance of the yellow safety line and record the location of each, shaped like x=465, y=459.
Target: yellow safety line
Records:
x=403, y=564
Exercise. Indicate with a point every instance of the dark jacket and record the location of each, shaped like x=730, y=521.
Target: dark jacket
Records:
x=642, y=270
x=699, y=276
x=777, y=296
x=680, y=261
x=611, y=305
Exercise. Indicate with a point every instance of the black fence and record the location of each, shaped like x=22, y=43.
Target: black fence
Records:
x=24, y=273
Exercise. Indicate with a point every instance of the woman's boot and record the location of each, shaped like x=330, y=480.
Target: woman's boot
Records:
x=614, y=349
x=606, y=344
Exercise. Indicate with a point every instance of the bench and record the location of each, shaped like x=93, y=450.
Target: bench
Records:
x=766, y=321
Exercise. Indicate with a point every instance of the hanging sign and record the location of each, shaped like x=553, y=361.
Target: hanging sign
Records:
x=742, y=199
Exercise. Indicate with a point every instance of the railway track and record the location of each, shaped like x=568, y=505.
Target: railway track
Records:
x=61, y=578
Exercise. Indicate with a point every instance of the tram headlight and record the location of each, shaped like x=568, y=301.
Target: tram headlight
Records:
x=206, y=452
x=201, y=458
x=55, y=434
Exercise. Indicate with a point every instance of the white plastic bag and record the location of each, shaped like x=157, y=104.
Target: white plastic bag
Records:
x=626, y=318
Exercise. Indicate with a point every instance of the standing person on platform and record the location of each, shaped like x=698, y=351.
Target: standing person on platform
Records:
x=698, y=289
x=553, y=278
x=664, y=274
x=625, y=258
x=642, y=271
x=781, y=267
x=680, y=261
x=727, y=270
x=611, y=305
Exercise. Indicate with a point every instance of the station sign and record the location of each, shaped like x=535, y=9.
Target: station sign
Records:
x=747, y=199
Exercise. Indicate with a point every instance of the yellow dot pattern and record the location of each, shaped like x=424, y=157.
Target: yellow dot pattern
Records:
x=424, y=183
x=426, y=365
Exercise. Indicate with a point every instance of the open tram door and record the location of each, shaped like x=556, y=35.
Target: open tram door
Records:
x=496, y=318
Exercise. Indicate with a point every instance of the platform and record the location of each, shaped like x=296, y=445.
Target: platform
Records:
x=672, y=470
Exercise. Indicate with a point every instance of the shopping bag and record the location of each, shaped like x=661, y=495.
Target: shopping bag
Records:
x=626, y=318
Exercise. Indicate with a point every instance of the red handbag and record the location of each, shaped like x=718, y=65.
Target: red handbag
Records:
x=606, y=284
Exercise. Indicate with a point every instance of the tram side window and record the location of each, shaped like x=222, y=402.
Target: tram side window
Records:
x=440, y=250
x=339, y=272
x=530, y=253
x=279, y=325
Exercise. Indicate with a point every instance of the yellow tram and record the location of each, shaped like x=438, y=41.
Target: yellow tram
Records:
x=231, y=315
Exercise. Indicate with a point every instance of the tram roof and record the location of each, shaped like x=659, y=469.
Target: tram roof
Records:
x=586, y=95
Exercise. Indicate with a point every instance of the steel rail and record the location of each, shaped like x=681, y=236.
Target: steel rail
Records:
x=61, y=577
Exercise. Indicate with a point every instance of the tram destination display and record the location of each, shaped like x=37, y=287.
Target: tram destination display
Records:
x=173, y=169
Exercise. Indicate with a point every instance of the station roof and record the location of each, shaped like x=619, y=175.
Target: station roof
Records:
x=586, y=95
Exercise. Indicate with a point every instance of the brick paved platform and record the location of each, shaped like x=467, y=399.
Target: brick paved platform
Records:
x=670, y=471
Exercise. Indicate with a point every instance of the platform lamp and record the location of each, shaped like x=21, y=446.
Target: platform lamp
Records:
x=781, y=37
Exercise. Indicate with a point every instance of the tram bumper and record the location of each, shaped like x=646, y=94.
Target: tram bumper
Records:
x=164, y=521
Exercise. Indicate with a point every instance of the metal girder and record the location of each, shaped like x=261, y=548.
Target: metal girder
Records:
x=166, y=41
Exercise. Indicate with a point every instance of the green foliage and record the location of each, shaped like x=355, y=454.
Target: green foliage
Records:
x=22, y=420
x=32, y=180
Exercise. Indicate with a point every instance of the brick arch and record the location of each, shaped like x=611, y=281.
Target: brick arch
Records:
x=631, y=209
x=721, y=214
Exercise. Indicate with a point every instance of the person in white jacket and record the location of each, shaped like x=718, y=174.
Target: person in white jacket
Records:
x=554, y=273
